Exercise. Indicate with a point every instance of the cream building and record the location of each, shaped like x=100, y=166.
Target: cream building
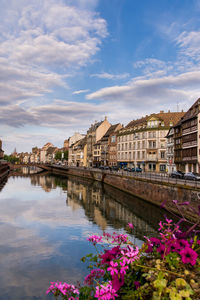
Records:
x=43, y=152
x=142, y=143
x=78, y=153
x=94, y=134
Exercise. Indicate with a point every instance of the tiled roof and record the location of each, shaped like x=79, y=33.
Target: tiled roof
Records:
x=109, y=131
x=137, y=122
x=167, y=118
x=192, y=111
x=94, y=126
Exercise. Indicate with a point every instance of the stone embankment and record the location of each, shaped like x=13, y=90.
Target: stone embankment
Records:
x=4, y=169
x=146, y=188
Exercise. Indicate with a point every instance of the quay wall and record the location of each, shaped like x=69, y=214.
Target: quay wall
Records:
x=144, y=188
x=4, y=169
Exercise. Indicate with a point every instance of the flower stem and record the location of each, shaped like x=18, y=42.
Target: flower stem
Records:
x=164, y=270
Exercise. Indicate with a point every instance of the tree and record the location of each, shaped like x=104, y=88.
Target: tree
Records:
x=58, y=155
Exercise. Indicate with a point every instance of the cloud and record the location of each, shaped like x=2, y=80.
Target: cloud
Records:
x=189, y=43
x=42, y=43
x=163, y=91
x=80, y=92
x=111, y=76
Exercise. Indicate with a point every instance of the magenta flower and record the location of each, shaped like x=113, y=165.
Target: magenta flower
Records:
x=113, y=268
x=94, y=239
x=163, y=250
x=188, y=256
x=110, y=255
x=118, y=281
x=181, y=244
x=105, y=292
x=94, y=274
x=137, y=284
x=130, y=225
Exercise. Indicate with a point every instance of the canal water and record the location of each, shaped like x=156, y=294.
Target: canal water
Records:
x=45, y=221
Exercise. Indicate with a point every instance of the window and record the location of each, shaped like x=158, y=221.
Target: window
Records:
x=162, y=154
x=162, y=168
x=130, y=146
x=113, y=139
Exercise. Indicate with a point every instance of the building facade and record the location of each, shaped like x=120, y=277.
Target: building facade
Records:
x=94, y=134
x=187, y=141
x=142, y=143
x=170, y=151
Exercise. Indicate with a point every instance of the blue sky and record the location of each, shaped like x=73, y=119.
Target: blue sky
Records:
x=66, y=63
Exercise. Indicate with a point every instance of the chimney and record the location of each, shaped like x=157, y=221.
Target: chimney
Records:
x=105, y=118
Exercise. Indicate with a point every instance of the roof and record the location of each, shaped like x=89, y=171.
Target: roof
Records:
x=94, y=126
x=167, y=118
x=110, y=130
x=192, y=111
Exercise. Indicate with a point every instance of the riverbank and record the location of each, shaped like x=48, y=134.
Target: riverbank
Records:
x=148, y=189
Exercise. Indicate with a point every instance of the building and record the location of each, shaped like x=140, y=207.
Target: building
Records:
x=94, y=134
x=142, y=143
x=112, y=146
x=186, y=140
x=43, y=152
x=1, y=151
x=102, y=147
x=66, y=144
x=75, y=138
x=78, y=153
x=170, y=151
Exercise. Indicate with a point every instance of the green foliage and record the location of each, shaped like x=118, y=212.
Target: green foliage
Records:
x=10, y=158
x=58, y=155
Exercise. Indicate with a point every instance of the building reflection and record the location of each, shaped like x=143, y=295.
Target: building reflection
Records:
x=104, y=205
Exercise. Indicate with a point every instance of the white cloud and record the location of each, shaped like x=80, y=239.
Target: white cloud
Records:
x=42, y=42
x=189, y=43
x=111, y=76
x=160, y=92
x=80, y=92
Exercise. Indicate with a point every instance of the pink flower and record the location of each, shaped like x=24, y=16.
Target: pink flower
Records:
x=105, y=292
x=130, y=225
x=188, y=256
x=94, y=239
x=113, y=268
x=118, y=281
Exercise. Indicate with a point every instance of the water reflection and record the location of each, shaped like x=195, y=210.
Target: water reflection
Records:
x=44, y=219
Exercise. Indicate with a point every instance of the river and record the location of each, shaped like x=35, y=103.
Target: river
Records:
x=45, y=221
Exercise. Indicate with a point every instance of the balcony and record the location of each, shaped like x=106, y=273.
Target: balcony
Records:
x=189, y=130
x=190, y=158
x=152, y=158
x=189, y=144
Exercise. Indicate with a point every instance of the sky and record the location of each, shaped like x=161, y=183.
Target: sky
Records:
x=65, y=64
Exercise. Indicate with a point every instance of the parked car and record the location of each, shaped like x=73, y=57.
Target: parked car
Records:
x=127, y=169
x=114, y=168
x=177, y=174
x=138, y=169
x=192, y=176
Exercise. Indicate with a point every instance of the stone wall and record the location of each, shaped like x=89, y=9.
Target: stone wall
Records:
x=148, y=190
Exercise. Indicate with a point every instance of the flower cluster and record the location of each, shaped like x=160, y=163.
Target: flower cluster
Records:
x=166, y=267
x=68, y=291
x=169, y=242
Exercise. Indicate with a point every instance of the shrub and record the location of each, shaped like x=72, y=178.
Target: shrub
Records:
x=165, y=267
